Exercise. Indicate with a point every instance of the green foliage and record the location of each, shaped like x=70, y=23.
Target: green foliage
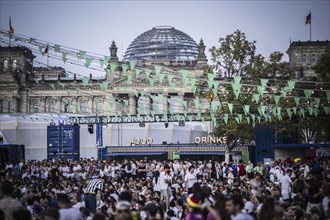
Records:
x=233, y=55
x=322, y=67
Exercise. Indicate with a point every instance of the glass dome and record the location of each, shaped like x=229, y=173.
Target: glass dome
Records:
x=162, y=43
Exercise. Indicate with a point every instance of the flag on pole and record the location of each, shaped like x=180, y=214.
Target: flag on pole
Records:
x=46, y=51
x=308, y=18
x=11, y=28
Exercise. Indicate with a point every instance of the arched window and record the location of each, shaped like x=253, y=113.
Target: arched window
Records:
x=4, y=106
x=303, y=59
x=51, y=106
x=34, y=106
x=5, y=65
x=14, y=65
x=313, y=59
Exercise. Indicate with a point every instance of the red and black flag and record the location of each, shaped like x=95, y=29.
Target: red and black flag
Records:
x=46, y=52
x=309, y=18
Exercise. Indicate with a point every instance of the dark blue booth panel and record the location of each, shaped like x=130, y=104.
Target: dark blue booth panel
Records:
x=63, y=142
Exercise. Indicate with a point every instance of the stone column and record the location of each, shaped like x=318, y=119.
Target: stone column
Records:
x=132, y=104
x=147, y=103
x=195, y=108
x=180, y=103
x=165, y=103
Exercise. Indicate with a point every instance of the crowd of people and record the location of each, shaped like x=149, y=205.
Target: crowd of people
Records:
x=89, y=189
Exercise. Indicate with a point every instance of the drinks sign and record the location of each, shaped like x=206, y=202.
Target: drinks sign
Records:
x=210, y=140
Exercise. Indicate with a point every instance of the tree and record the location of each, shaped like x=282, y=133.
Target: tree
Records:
x=233, y=55
x=237, y=56
x=322, y=67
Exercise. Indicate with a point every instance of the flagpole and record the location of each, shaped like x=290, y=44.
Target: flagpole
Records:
x=310, y=27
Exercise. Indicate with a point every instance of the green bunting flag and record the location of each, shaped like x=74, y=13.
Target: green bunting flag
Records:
x=277, y=99
x=62, y=85
x=104, y=85
x=296, y=100
x=81, y=54
x=215, y=92
x=230, y=107
x=197, y=103
x=279, y=110
x=124, y=68
x=210, y=83
x=129, y=79
x=236, y=89
x=64, y=56
x=248, y=119
x=317, y=102
x=151, y=82
x=256, y=97
x=263, y=109
x=171, y=110
x=302, y=113
x=158, y=69
x=288, y=111
x=310, y=111
x=184, y=73
x=102, y=63
x=85, y=80
x=274, y=111
x=237, y=79
x=291, y=84
x=170, y=78
x=88, y=62
x=132, y=64
x=239, y=117
x=253, y=118
x=279, y=117
x=142, y=93
x=225, y=118
x=152, y=97
x=259, y=111
x=327, y=109
x=137, y=73
x=264, y=82
x=328, y=94
x=216, y=85
x=214, y=106
x=194, y=89
x=57, y=48
x=308, y=93
x=31, y=40
x=41, y=50
x=147, y=72
x=284, y=92
x=237, y=120
x=113, y=67
x=210, y=76
x=125, y=102
x=161, y=77
x=106, y=59
x=261, y=90
x=246, y=109
x=294, y=110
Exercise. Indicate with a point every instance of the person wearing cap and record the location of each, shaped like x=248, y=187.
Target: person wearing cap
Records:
x=194, y=211
x=164, y=181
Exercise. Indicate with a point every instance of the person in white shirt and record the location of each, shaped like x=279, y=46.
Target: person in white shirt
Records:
x=286, y=183
x=306, y=170
x=190, y=179
x=165, y=180
x=230, y=176
x=66, y=211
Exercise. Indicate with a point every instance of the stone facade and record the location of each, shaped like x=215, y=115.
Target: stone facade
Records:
x=303, y=55
x=28, y=89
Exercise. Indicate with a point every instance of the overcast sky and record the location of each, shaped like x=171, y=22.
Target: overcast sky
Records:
x=92, y=25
